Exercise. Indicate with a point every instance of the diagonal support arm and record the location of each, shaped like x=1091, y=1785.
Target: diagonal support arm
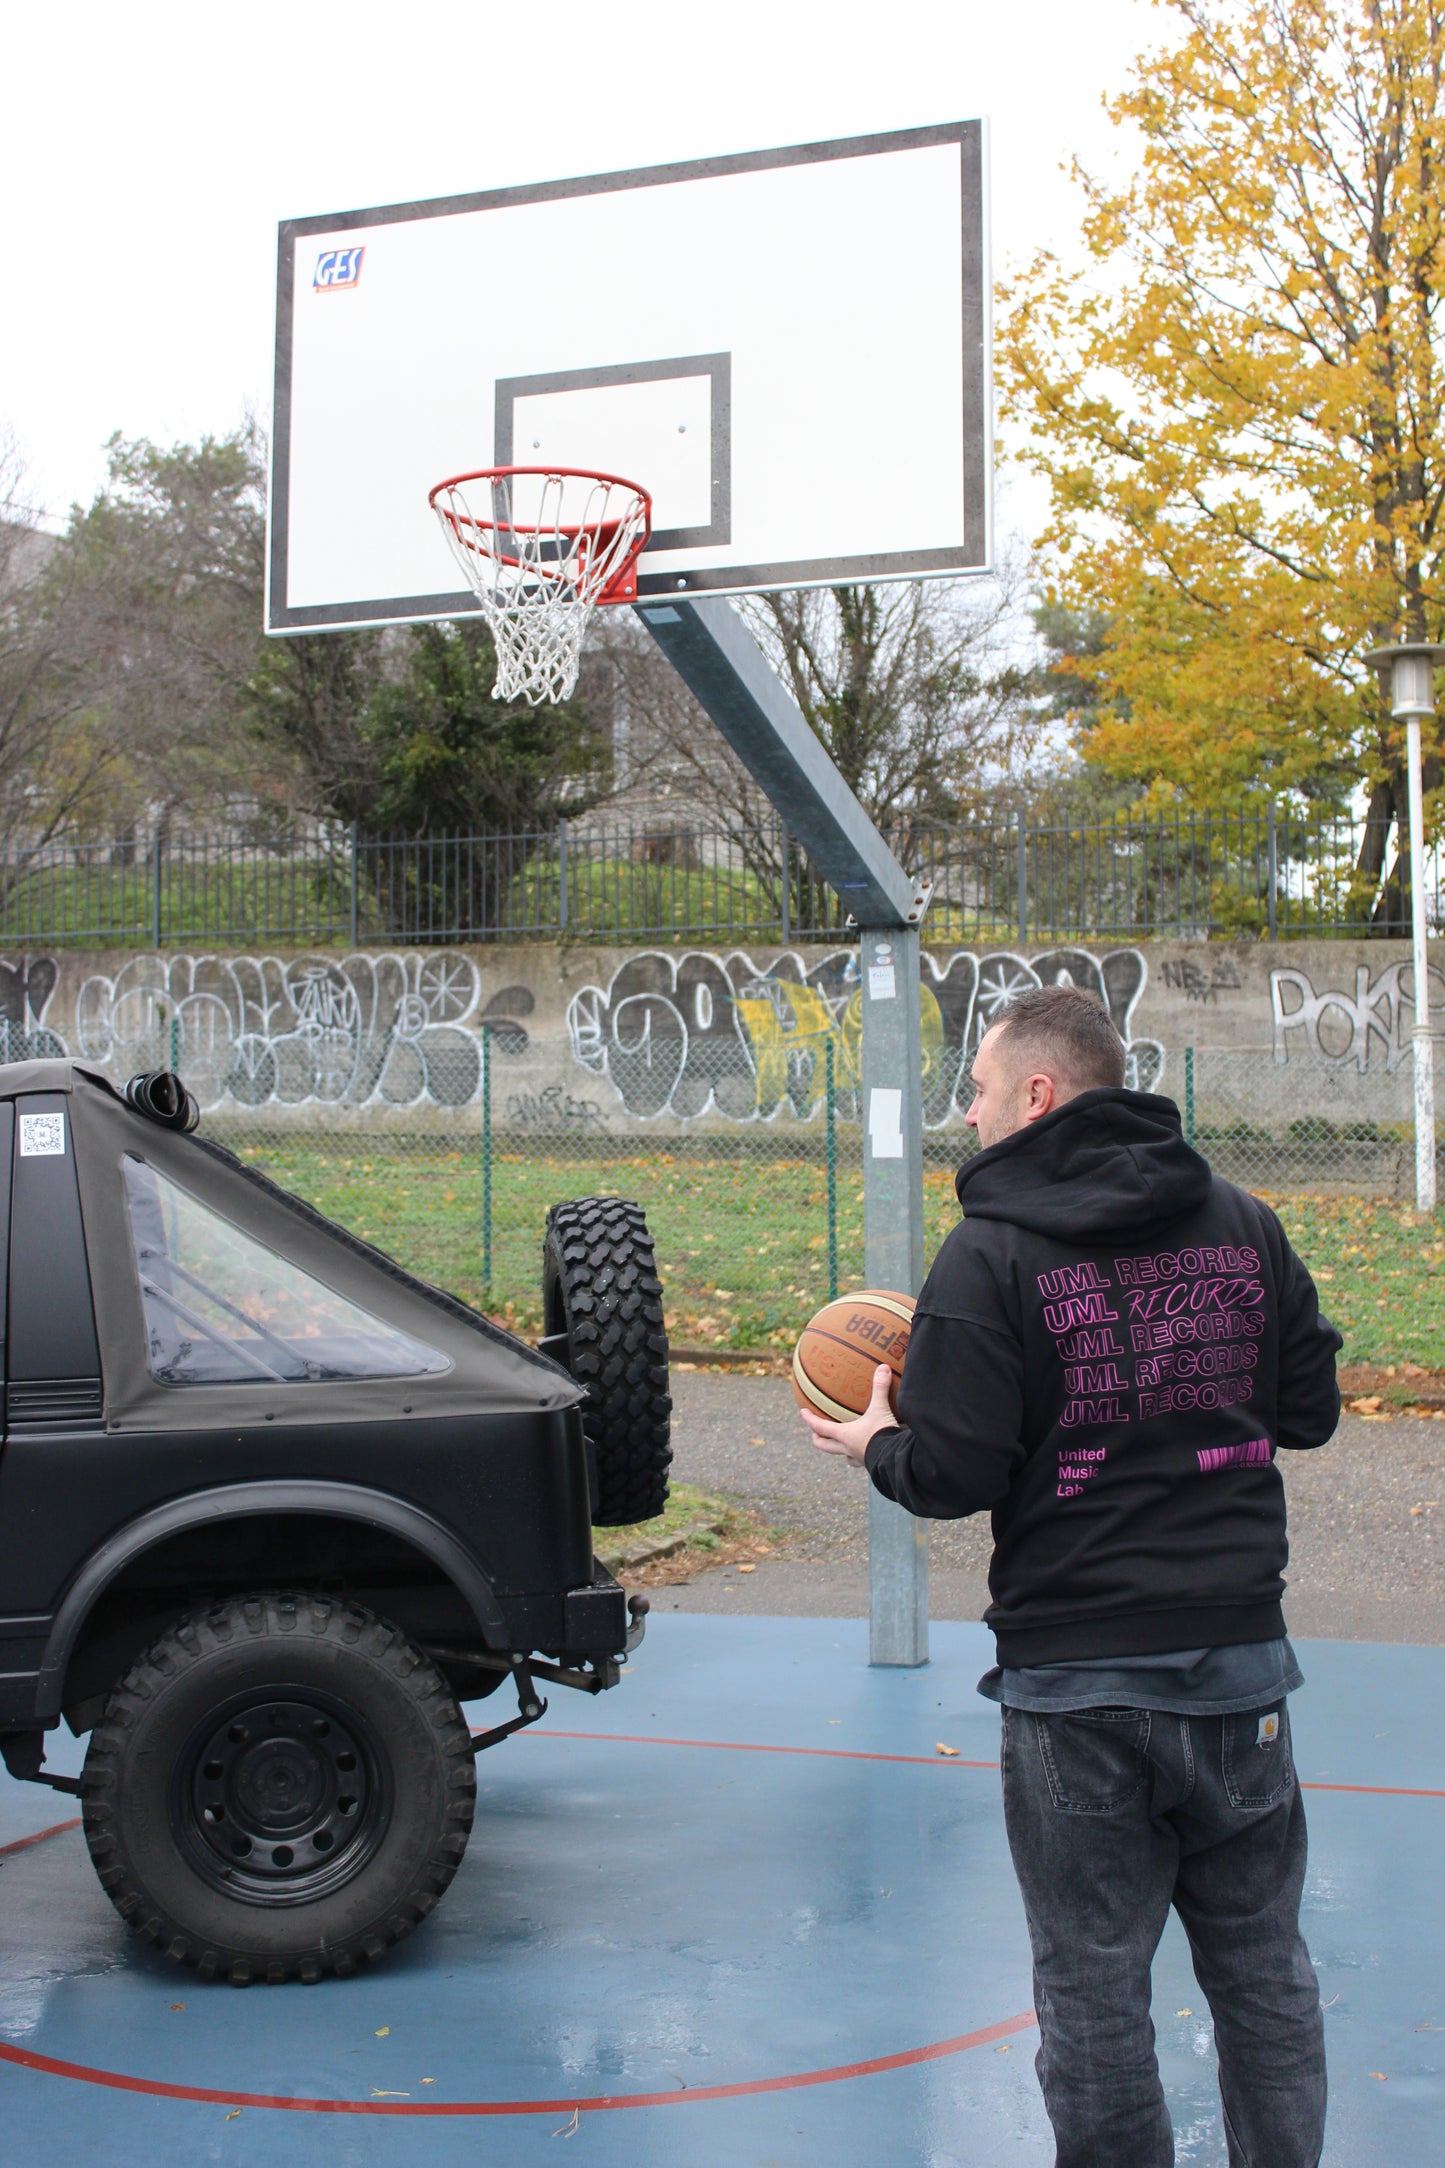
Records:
x=726, y=671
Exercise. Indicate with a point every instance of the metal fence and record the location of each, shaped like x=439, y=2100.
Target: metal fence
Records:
x=758, y=1219
x=1263, y=871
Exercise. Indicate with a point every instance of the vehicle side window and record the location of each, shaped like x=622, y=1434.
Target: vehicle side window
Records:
x=220, y=1308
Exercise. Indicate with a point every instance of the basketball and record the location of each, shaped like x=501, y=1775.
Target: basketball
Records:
x=840, y=1348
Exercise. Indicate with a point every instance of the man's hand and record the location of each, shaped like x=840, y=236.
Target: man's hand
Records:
x=850, y=1440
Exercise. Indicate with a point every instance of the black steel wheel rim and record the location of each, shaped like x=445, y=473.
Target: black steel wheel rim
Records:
x=281, y=1797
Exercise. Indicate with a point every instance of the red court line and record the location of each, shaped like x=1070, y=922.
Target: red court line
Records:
x=749, y=1746
x=1382, y=1791
x=24, y=2059
x=917, y=1761
x=23, y=1844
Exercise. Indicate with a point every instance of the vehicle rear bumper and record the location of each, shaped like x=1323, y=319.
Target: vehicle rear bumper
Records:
x=596, y=1620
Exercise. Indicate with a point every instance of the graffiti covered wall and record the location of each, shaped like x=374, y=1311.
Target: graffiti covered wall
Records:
x=603, y=1040
x=697, y=1034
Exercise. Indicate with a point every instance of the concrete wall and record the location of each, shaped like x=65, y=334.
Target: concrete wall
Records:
x=604, y=1039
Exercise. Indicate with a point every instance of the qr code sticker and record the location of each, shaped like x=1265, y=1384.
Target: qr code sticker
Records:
x=42, y=1136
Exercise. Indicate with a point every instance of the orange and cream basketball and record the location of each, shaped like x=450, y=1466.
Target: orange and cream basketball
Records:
x=840, y=1348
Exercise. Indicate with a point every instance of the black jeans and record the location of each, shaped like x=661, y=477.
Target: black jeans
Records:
x=1113, y=1815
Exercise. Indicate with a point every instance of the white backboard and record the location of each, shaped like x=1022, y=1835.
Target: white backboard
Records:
x=788, y=348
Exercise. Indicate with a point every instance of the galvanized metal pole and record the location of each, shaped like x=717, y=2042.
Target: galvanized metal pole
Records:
x=832, y=1152
x=893, y=1255
x=1421, y=1044
x=722, y=665
x=1412, y=694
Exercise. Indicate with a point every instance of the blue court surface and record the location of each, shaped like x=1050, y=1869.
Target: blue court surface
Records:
x=738, y=1914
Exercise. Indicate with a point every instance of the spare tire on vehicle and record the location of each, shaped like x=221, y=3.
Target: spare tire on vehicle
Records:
x=602, y=1306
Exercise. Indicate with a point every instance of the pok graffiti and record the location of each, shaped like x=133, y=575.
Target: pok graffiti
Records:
x=705, y=1033
x=1339, y=1027
x=398, y=1030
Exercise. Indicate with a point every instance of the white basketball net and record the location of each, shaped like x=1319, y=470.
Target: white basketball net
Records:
x=539, y=550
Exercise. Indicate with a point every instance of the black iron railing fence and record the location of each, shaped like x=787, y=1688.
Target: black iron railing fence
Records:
x=1258, y=872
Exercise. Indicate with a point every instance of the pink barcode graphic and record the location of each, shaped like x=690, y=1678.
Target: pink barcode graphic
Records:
x=1250, y=1454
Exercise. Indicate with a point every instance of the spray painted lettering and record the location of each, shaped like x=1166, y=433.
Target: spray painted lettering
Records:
x=389, y=1030
x=1335, y=1026
x=717, y=1034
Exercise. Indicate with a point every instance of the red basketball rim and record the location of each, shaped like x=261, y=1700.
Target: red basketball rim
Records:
x=601, y=532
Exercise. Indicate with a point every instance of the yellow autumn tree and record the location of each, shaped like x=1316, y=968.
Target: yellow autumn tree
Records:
x=1241, y=410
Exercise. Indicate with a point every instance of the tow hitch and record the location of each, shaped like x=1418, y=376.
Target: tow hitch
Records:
x=530, y=1705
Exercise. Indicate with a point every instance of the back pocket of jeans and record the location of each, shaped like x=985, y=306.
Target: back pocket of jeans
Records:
x=1094, y=1759
x=1254, y=1748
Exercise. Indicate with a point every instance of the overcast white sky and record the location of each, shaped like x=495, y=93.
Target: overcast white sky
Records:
x=147, y=153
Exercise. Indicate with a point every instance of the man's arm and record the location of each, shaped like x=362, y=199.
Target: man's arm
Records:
x=961, y=1400
x=1307, y=1401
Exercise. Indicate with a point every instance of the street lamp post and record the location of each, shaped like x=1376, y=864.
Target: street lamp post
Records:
x=1412, y=694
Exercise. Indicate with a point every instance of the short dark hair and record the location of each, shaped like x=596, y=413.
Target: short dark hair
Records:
x=1070, y=1028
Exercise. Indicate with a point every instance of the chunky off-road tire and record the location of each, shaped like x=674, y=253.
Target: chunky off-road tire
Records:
x=281, y=1787
x=600, y=1288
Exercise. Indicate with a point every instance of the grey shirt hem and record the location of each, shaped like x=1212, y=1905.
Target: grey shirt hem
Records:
x=1184, y=1682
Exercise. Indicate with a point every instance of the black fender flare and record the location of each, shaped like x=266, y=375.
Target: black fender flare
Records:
x=241, y=1501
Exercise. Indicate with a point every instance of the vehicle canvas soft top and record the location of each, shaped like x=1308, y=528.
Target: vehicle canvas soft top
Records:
x=480, y=1369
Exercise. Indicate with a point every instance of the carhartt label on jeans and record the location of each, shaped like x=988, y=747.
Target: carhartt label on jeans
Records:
x=1268, y=1729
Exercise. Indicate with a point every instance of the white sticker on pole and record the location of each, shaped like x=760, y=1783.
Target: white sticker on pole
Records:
x=885, y=1124
x=42, y=1136
x=882, y=982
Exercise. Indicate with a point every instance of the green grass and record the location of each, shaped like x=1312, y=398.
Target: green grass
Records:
x=1380, y=1269
x=742, y=1248
x=742, y=1243
x=688, y=1509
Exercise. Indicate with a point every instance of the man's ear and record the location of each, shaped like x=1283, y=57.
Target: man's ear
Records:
x=1041, y=1095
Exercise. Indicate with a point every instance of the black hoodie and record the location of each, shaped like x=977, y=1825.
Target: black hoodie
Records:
x=1107, y=1352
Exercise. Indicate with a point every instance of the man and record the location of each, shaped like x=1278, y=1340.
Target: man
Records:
x=1107, y=1353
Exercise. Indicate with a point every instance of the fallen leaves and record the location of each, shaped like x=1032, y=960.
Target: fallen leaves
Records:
x=950, y=1751
x=1185, y=2012
x=382, y=2031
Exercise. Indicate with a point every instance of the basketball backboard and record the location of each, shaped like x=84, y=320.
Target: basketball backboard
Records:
x=789, y=349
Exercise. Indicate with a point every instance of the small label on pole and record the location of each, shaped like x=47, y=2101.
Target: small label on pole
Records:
x=885, y=1124
x=882, y=982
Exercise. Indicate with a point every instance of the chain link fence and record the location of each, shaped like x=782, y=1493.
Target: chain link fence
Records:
x=758, y=1217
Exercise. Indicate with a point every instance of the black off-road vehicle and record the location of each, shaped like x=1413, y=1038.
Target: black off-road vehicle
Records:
x=270, y=1508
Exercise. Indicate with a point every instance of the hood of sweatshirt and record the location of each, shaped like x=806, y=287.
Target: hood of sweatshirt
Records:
x=1107, y=1162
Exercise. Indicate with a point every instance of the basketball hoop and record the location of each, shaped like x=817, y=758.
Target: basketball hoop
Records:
x=541, y=548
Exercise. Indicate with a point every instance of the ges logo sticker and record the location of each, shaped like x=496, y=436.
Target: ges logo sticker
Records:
x=337, y=269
